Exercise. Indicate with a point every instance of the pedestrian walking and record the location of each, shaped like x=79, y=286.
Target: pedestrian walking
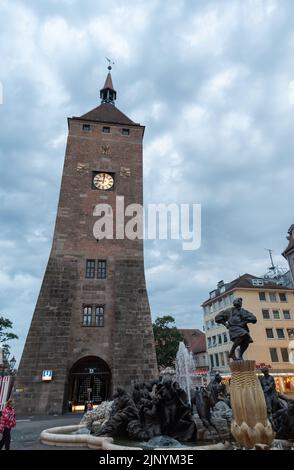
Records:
x=7, y=422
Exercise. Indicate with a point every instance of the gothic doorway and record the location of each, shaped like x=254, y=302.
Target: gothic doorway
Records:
x=89, y=381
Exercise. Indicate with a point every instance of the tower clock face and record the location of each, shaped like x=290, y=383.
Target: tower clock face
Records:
x=103, y=181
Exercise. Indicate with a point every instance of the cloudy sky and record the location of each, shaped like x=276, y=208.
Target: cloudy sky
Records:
x=212, y=80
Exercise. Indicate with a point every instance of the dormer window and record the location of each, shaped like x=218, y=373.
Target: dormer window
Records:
x=212, y=294
x=257, y=282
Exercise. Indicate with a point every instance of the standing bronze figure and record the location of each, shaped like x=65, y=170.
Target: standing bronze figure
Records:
x=236, y=319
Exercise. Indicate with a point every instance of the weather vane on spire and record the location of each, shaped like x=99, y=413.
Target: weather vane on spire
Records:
x=109, y=62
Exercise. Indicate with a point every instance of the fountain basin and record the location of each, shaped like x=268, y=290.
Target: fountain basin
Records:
x=64, y=436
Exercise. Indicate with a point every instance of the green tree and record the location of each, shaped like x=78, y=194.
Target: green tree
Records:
x=167, y=338
x=5, y=336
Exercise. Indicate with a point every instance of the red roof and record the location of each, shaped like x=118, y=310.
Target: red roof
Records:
x=108, y=82
x=107, y=112
x=194, y=339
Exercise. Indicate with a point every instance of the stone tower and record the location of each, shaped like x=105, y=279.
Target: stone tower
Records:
x=91, y=330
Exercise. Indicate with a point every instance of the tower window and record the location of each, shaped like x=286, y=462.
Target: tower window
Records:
x=99, y=315
x=101, y=269
x=87, y=316
x=125, y=131
x=90, y=268
x=86, y=127
x=106, y=130
x=274, y=355
x=97, y=320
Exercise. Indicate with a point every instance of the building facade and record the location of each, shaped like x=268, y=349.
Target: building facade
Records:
x=273, y=305
x=91, y=330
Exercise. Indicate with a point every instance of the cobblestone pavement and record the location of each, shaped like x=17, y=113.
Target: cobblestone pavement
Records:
x=26, y=434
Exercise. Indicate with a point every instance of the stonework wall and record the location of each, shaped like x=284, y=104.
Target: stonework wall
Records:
x=47, y=344
x=134, y=356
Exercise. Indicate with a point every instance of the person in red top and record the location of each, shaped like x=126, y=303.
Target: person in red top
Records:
x=7, y=421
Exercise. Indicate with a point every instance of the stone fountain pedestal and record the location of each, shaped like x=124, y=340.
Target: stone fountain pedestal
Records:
x=250, y=425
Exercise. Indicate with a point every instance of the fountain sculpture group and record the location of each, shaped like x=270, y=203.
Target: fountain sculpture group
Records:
x=253, y=412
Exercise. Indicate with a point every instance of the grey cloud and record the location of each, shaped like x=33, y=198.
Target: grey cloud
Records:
x=225, y=64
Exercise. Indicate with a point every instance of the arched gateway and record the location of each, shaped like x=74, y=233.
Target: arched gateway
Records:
x=89, y=380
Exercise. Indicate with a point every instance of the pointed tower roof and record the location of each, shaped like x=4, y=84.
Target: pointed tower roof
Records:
x=108, y=93
x=107, y=111
x=108, y=82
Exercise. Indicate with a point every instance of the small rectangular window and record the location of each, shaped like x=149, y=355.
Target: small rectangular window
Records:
x=280, y=333
x=86, y=127
x=87, y=316
x=273, y=297
x=274, y=355
x=209, y=342
x=266, y=314
x=222, y=359
x=283, y=297
x=269, y=333
x=211, y=361
x=101, y=269
x=290, y=332
x=99, y=316
x=285, y=355
x=286, y=314
x=90, y=268
x=262, y=297
x=125, y=131
x=276, y=315
x=106, y=129
x=219, y=338
x=216, y=360
x=225, y=337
